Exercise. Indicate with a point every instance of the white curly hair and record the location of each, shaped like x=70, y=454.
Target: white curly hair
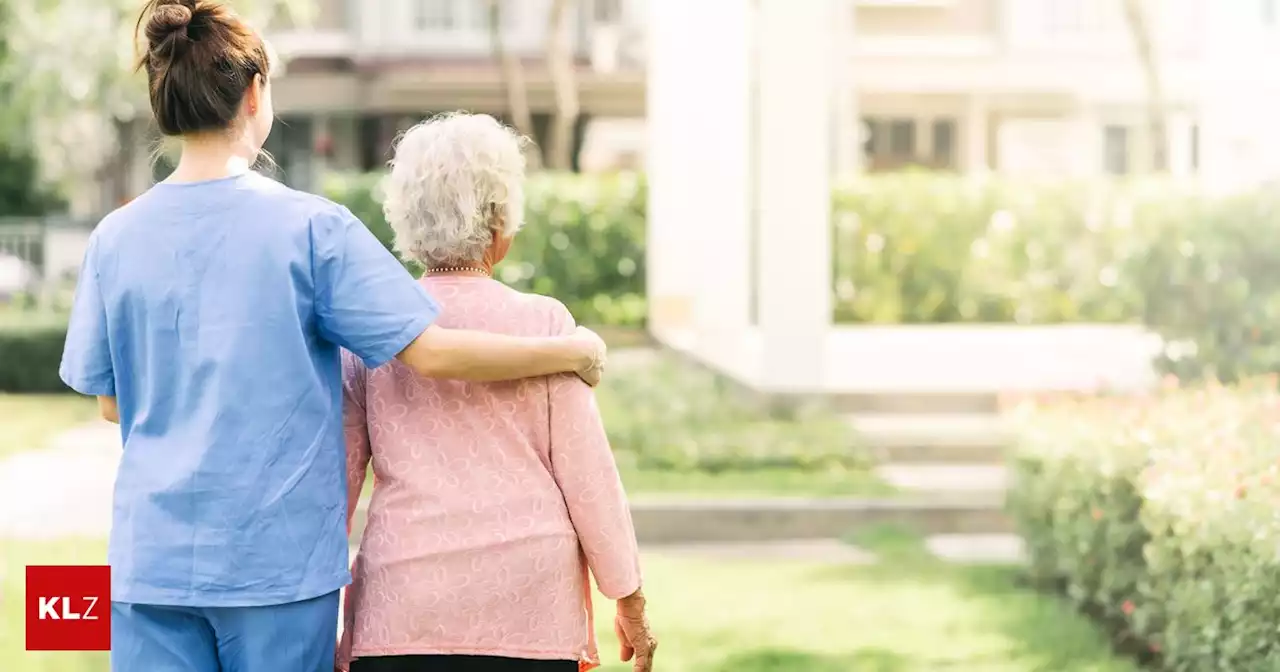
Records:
x=450, y=176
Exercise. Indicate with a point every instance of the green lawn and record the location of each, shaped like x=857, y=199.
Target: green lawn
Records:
x=29, y=421
x=747, y=616
x=750, y=616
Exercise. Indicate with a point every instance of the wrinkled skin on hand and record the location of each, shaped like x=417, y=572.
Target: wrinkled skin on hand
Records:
x=632, y=628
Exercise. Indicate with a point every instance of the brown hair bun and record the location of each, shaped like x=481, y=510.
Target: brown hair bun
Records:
x=200, y=59
x=170, y=19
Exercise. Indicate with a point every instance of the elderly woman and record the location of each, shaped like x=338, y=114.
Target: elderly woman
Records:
x=491, y=502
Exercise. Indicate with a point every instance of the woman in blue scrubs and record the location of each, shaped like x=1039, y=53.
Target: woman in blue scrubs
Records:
x=208, y=321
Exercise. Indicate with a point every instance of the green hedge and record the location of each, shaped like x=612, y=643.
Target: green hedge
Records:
x=928, y=248
x=925, y=248
x=1197, y=269
x=30, y=354
x=1159, y=516
x=664, y=415
x=583, y=241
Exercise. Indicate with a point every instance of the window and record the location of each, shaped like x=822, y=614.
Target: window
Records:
x=902, y=138
x=944, y=142
x=889, y=143
x=606, y=11
x=1270, y=12
x=434, y=14
x=1115, y=152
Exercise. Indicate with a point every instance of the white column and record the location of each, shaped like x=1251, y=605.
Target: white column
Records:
x=976, y=135
x=847, y=122
x=697, y=170
x=795, y=69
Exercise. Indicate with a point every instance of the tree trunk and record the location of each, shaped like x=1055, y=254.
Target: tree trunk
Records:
x=560, y=67
x=116, y=170
x=517, y=92
x=1139, y=20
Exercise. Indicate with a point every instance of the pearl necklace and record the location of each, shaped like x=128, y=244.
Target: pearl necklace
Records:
x=459, y=269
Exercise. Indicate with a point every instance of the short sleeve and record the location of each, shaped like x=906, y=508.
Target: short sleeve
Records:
x=86, y=355
x=365, y=301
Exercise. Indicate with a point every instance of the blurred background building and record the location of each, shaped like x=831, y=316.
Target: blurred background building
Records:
x=363, y=72
x=1046, y=87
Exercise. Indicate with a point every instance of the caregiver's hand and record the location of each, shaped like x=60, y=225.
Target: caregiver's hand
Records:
x=594, y=355
x=632, y=627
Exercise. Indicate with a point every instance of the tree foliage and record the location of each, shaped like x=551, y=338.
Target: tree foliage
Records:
x=70, y=79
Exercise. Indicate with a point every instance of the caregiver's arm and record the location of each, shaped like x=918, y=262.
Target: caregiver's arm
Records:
x=109, y=409
x=366, y=302
x=483, y=357
x=86, y=356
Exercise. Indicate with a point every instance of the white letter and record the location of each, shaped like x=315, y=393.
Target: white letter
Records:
x=46, y=608
x=67, y=614
x=88, y=613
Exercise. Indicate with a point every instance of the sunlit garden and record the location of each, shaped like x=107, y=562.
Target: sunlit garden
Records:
x=1148, y=519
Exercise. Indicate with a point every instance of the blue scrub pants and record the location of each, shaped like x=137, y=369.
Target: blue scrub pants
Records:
x=295, y=637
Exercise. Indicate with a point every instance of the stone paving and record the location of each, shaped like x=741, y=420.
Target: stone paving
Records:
x=64, y=490
x=945, y=478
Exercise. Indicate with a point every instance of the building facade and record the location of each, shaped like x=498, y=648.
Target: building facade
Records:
x=1029, y=87
x=361, y=72
x=1056, y=87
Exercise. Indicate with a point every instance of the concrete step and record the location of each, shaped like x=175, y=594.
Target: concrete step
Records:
x=916, y=403
x=679, y=521
x=978, y=548
x=986, y=549
x=759, y=520
x=944, y=438
x=933, y=479
x=820, y=550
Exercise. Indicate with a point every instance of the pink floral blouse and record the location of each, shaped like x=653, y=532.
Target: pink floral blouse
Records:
x=490, y=501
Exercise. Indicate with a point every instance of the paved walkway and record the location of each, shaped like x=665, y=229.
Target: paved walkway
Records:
x=63, y=490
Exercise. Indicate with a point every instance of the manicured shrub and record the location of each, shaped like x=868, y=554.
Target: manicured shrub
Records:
x=583, y=241
x=925, y=248
x=30, y=354
x=1159, y=516
x=666, y=415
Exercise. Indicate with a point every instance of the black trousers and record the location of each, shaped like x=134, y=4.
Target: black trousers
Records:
x=459, y=664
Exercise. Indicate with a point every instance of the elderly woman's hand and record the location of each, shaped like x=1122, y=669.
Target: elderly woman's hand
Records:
x=594, y=355
x=631, y=625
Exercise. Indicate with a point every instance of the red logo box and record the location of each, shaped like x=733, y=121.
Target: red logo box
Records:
x=69, y=608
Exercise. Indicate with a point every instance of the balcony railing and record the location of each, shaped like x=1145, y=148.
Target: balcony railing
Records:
x=1099, y=26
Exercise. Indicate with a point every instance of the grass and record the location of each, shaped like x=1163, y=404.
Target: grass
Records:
x=902, y=615
x=896, y=616
x=31, y=421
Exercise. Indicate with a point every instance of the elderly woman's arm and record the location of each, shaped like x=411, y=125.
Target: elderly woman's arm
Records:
x=359, y=453
x=583, y=466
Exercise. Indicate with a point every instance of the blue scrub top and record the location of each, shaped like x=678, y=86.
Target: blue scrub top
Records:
x=215, y=312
